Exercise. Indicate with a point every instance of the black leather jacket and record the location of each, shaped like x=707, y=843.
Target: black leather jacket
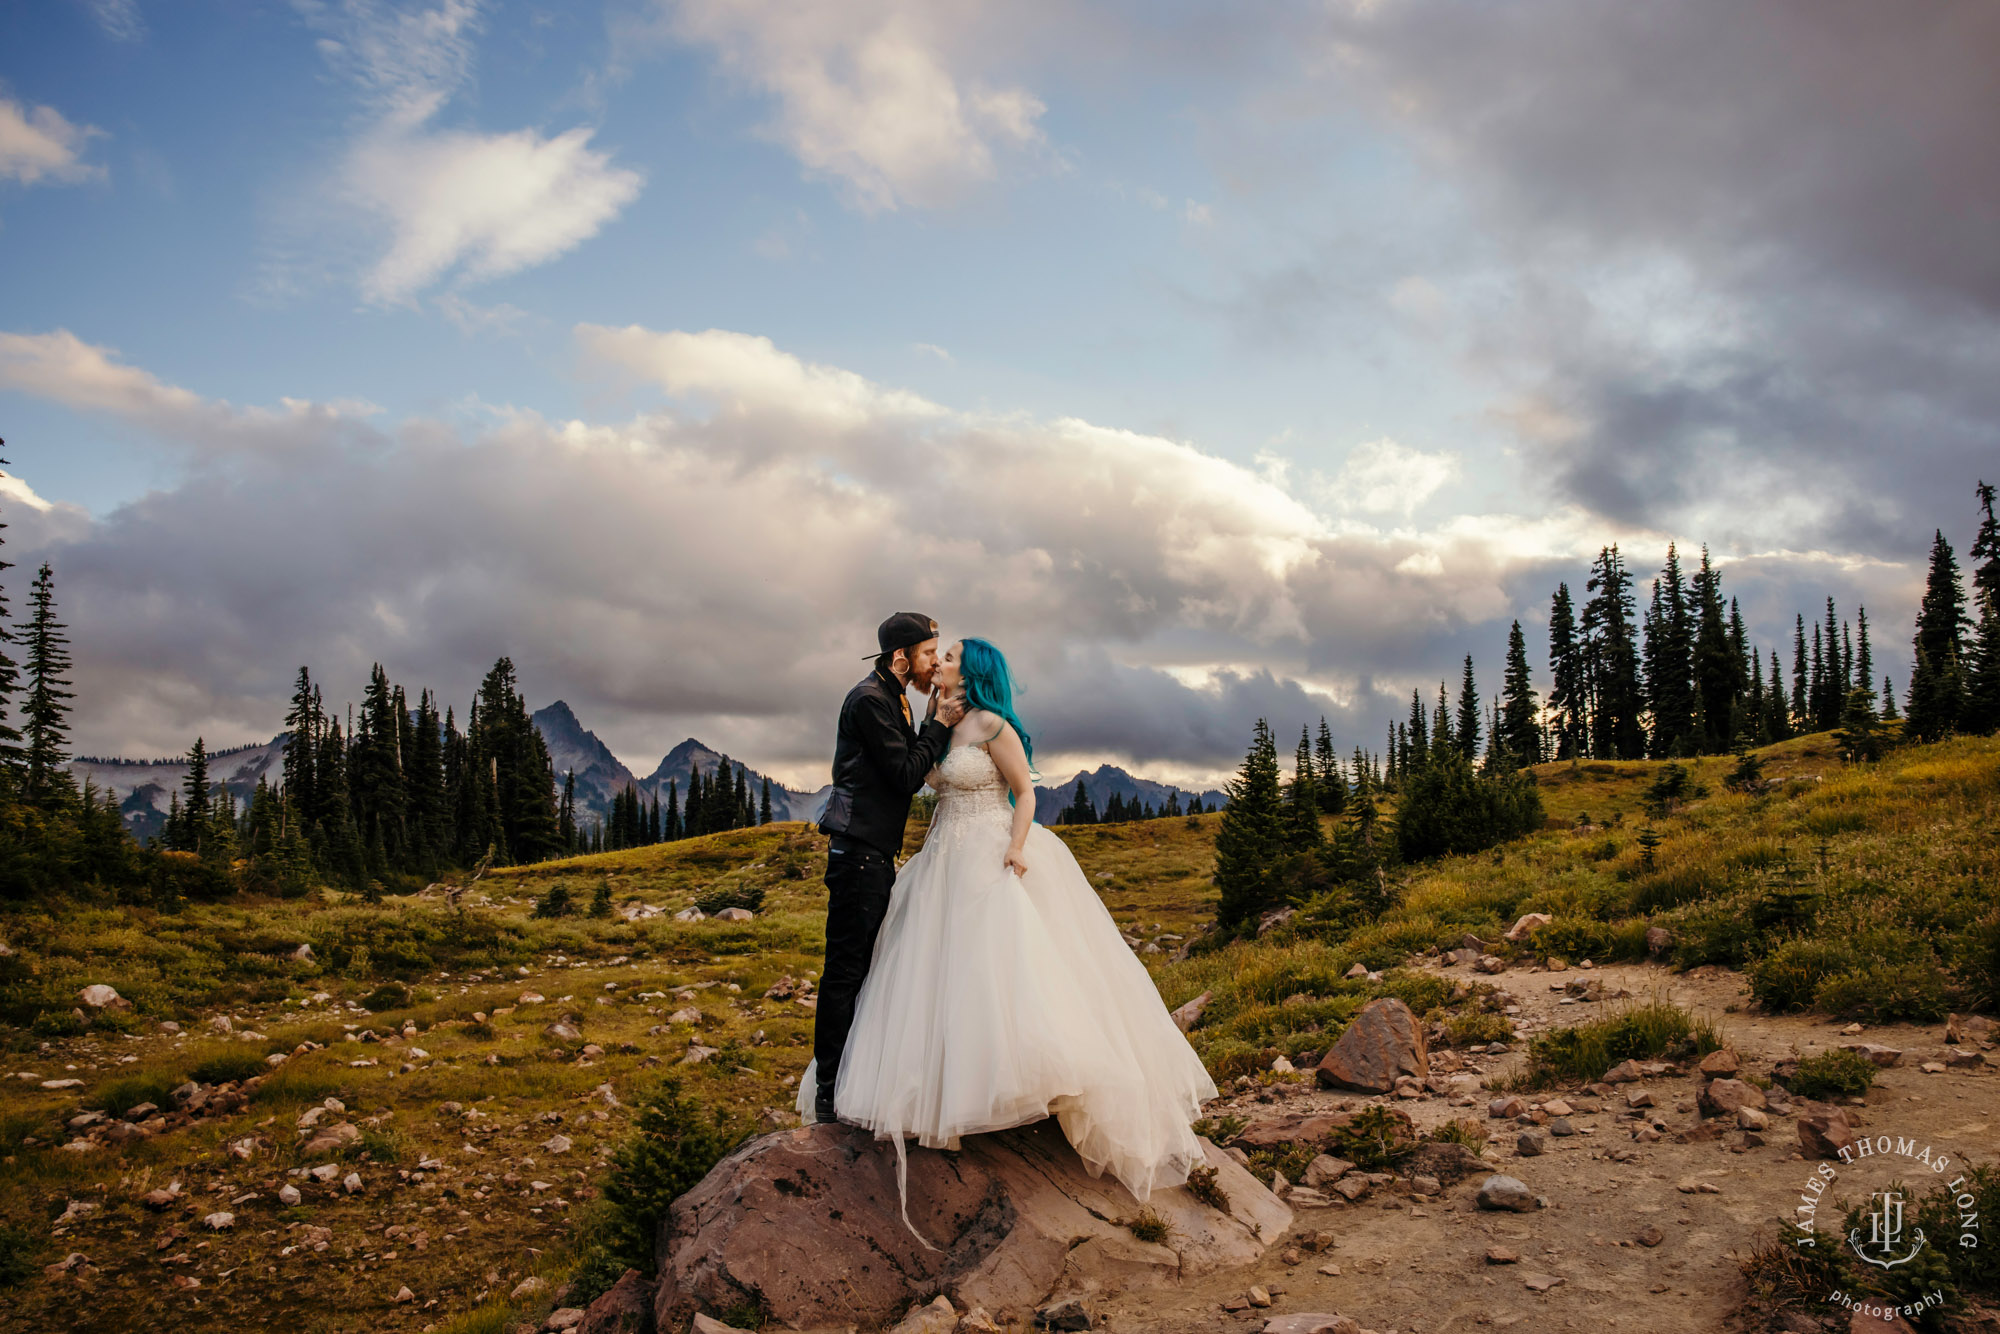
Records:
x=879, y=763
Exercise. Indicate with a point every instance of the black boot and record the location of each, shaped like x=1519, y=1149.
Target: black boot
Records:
x=823, y=1104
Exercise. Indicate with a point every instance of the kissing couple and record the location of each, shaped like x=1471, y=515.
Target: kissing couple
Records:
x=985, y=985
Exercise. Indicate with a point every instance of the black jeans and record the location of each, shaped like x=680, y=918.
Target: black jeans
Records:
x=858, y=880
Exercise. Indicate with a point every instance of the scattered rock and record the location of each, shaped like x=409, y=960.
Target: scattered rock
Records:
x=1724, y=1097
x=1530, y=1143
x=288, y=1195
x=157, y=1200
x=1882, y=1057
x=1507, y=1108
x=1500, y=1255
x=530, y=1287
x=1961, y=1028
x=1543, y=1282
x=1658, y=940
x=403, y=1294
x=558, y=1144
x=1526, y=925
x=1639, y=1098
x=351, y=1183
x=626, y=1308
x=332, y=1140
x=1719, y=1064
x=1625, y=1072
x=1324, y=1170
x=561, y=1031
x=1382, y=1042
x=101, y=997
x=1490, y=964
x=562, y=1318
x=1823, y=1131
x=1749, y=1118
x=1258, y=1297
x=1956, y=1056
x=1505, y=1192
x=220, y=1221
x=1650, y=1235
x=940, y=1317
x=1188, y=1015
x=976, y=1321
x=1561, y=1127
x=1312, y=1323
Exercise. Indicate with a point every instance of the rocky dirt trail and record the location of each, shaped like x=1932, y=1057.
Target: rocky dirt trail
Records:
x=1636, y=1235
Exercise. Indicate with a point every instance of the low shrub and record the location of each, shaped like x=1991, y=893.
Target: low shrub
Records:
x=672, y=1147
x=1460, y=1130
x=121, y=1095
x=731, y=896
x=228, y=1066
x=18, y=1248
x=1885, y=993
x=1832, y=1074
x=1464, y=1030
x=388, y=996
x=1375, y=1139
x=1201, y=1184
x=1648, y=1031
x=1788, y=977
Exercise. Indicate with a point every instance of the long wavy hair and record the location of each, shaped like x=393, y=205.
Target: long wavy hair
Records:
x=990, y=686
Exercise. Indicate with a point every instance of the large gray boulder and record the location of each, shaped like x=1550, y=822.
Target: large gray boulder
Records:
x=806, y=1223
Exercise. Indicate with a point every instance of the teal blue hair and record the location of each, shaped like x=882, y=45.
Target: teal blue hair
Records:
x=990, y=686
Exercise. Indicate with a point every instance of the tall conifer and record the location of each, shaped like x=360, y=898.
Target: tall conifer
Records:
x=45, y=718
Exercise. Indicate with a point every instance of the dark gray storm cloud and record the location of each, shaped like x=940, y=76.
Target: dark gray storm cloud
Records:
x=1748, y=254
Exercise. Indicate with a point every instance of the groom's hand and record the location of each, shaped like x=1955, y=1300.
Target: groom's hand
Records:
x=948, y=711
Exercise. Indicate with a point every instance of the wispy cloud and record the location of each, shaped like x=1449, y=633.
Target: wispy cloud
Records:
x=120, y=19
x=452, y=203
x=39, y=145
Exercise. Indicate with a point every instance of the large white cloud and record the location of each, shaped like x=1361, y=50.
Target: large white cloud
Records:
x=870, y=94
x=720, y=570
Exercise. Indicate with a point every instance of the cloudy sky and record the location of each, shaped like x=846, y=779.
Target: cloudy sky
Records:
x=1217, y=361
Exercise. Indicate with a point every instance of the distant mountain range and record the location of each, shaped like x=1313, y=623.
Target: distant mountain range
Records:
x=144, y=788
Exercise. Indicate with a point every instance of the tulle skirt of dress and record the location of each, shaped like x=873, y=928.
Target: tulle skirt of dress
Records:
x=994, y=1000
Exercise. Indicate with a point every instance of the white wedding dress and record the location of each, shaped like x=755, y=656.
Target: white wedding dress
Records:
x=994, y=1000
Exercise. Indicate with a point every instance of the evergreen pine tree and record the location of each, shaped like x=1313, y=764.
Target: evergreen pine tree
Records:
x=1519, y=708
x=302, y=724
x=1442, y=736
x=654, y=833
x=1252, y=835
x=13, y=760
x=1079, y=810
x=1302, y=799
x=1801, y=682
x=1717, y=668
x=1816, y=688
x=1778, y=715
x=194, y=811
x=764, y=804
x=671, y=829
x=1612, y=661
x=600, y=898
x=691, y=820
x=45, y=779
x=1864, y=656
x=1568, y=692
x=1669, y=662
x=1326, y=765
x=1466, y=733
x=1889, y=713
x=429, y=810
x=1416, y=735
x=566, y=812
x=745, y=814
x=1937, y=687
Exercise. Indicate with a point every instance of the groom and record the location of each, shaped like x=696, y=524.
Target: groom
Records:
x=879, y=761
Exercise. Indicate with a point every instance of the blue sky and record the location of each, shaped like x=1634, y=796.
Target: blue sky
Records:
x=913, y=297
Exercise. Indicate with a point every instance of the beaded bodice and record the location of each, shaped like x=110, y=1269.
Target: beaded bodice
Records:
x=970, y=790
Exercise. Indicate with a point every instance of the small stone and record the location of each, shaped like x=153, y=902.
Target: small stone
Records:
x=558, y=1144
x=1324, y=1170
x=1509, y=1193
x=1531, y=1143
x=530, y=1287
x=403, y=1294
x=1957, y=1056
x=1749, y=1118
x=159, y=1199
x=530, y=998
x=1639, y=1098
x=1351, y=1188
x=1507, y=1107
x=351, y=1183
x=1500, y=1255
x=98, y=996
x=219, y=1221
x=1561, y=1127
x=1650, y=1235
x=1882, y=1057
x=564, y=1318
x=1259, y=1297
x=1543, y=1282
x=977, y=1321
x=1852, y=1030
x=1557, y=1107
x=288, y=1195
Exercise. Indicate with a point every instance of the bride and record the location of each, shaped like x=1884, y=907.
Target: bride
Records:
x=1001, y=991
